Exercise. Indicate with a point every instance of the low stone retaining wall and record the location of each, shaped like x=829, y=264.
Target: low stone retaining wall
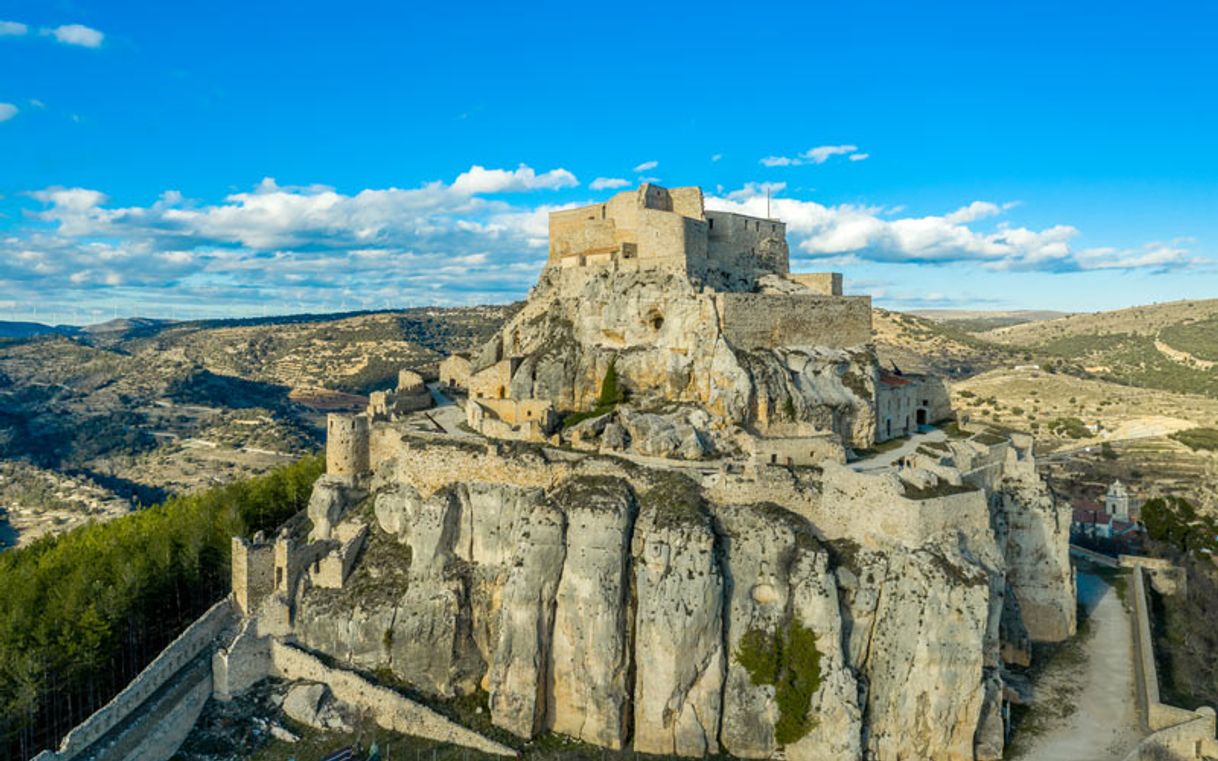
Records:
x=1187, y=734
x=189, y=645
x=1095, y=557
x=389, y=709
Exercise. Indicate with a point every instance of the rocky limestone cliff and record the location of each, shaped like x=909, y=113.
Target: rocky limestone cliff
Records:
x=622, y=606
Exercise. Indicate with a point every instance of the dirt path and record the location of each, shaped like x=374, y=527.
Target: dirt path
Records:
x=1183, y=357
x=1097, y=684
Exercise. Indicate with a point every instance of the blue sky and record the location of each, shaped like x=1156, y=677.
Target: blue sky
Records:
x=190, y=160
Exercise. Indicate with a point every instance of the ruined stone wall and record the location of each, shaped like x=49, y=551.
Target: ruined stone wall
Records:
x=823, y=283
x=870, y=509
x=243, y=663
x=190, y=644
x=428, y=463
x=764, y=321
x=346, y=445
x=389, y=709
x=796, y=450
x=293, y=560
x=332, y=570
x=253, y=573
x=493, y=382
x=454, y=371
x=520, y=411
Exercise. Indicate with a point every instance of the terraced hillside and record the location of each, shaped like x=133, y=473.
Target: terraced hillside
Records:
x=140, y=409
x=1171, y=346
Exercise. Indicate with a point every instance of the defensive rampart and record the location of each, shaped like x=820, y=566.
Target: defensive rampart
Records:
x=180, y=653
x=1183, y=733
x=765, y=320
x=428, y=463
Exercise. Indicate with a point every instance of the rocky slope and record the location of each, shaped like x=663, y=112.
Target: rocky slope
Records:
x=662, y=334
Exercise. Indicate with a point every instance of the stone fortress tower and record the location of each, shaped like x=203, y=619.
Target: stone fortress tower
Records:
x=346, y=445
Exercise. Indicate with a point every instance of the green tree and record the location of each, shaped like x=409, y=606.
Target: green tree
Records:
x=611, y=391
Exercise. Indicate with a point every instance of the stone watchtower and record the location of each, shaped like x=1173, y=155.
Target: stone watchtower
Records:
x=347, y=442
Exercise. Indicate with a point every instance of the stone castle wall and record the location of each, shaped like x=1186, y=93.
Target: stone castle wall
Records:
x=870, y=509
x=764, y=321
x=823, y=283
x=657, y=227
x=735, y=239
x=191, y=643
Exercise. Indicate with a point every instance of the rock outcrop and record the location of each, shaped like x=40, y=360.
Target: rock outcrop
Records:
x=664, y=338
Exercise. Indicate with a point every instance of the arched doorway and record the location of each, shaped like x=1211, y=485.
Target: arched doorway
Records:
x=922, y=416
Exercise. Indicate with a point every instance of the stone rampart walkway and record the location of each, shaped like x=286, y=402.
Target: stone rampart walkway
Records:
x=1104, y=723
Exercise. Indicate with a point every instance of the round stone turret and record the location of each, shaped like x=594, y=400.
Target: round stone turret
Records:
x=347, y=445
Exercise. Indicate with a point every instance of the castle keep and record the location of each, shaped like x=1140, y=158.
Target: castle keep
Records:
x=656, y=227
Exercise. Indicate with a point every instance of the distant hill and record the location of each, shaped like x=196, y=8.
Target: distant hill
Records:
x=1172, y=346
x=140, y=404
x=977, y=321
x=31, y=329
x=1139, y=320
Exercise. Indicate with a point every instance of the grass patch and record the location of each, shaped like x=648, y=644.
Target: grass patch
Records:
x=940, y=489
x=790, y=662
x=1198, y=439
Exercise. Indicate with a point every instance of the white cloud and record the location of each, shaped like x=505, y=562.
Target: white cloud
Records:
x=821, y=153
x=13, y=29
x=646, y=166
x=482, y=180
x=7, y=111
x=76, y=34
x=818, y=155
x=604, y=183
x=822, y=232
x=312, y=248
x=974, y=211
x=756, y=189
x=717, y=157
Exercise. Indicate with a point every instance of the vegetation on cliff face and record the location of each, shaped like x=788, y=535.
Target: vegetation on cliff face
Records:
x=789, y=661
x=82, y=613
x=612, y=394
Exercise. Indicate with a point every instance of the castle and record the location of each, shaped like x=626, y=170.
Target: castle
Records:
x=602, y=579
x=740, y=268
